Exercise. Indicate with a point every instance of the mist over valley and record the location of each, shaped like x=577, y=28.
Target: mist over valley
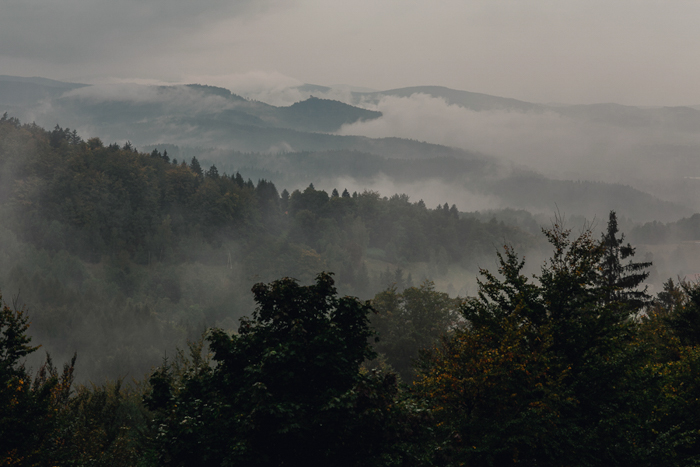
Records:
x=492, y=159
x=481, y=141
x=354, y=234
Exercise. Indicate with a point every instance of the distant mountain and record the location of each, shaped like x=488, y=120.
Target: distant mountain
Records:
x=325, y=115
x=463, y=174
x=184, y=109
x=296, y=143
x=215, y=91
x=469, y=100
x=310, y=88
x=682, y=118
x=20, y=91
x=52, y=83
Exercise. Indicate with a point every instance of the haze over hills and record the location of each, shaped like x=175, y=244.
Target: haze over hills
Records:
x=19, y=91
x=469, y=100
x=474, y=150
x=685, y=118
x=653, y=149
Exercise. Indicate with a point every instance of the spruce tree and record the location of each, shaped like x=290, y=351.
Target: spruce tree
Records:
x=195, y=167
x=619, y=282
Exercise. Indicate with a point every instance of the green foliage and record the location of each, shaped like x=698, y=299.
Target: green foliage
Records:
x=98, y=203
x=655, y=232
x=14, y=342
x=286, y=390
x=125, y=255
x=409, y=321
x=670, y=335
x=621, y=280
x=104, y=425
x=672, y=321
x=29, y=407
x=684, y=318
x=545, y=372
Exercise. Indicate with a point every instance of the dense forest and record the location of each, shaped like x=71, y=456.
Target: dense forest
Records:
x=135, y=271
x=314, y=140
x=128, y=254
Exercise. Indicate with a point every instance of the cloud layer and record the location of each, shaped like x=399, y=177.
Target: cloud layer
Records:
x=106, y=38
x=556, y=145
x=580, y=51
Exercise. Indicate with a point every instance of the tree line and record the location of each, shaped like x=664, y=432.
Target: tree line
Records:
x=125, y=255
x=577, y=366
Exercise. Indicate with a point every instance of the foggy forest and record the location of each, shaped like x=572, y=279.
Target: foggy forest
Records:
x=242, y=274
x=219, y=266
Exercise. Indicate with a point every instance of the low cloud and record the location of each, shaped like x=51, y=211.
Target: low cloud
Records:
x=272, y=88
x=433, y=192
x=280, y=148
x=173, y=98
x=555, y=145
x=89, y=38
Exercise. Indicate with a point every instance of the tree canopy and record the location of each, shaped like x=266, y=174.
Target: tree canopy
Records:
x=545, y=371
x=286, y=390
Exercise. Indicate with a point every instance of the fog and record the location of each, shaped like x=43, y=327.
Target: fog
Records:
x=192, y=151
x=433, y=192
x=556, y=145
x=631, y=52
x=563, y=142
x=651, y=149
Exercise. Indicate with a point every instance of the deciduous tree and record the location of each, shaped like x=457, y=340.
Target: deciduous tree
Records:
x=286, y=390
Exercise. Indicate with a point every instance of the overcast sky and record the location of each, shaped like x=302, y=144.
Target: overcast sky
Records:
x=639, y=52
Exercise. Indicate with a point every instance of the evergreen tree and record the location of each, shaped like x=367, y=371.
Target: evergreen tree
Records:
x=213, y=172
x=238, y=178
x=410, y=321
x=28, y=406
x=284, y=200
x=74, y=139
x=620, y=281
x=56, y=137
x=683, y=311
x=196, y=168
x=544, y=372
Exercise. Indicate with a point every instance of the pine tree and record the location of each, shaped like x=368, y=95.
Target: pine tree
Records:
x=213, y=172
x=195, y=167
x=544, y=372
x=619, y=282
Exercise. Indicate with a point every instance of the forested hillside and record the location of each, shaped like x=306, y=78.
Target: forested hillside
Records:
x=121, y=255
x=117, y=262
x=560, y=370
x=313, y=141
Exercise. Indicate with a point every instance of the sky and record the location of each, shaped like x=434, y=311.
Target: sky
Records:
x=636, y=52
